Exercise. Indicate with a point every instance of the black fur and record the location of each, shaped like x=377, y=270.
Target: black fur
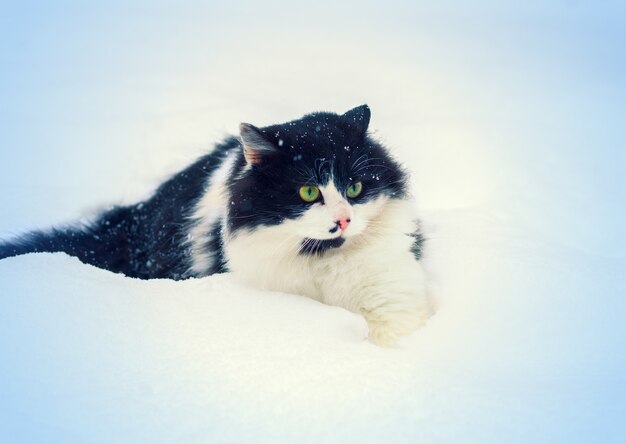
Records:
x=216, y=244
x=317, y=246
x=147, y=240
x=150, y=239
x=417, y=248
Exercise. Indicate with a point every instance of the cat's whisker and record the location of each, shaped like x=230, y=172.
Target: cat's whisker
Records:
x=284, y=242
x=365, y=160
x=368, y=166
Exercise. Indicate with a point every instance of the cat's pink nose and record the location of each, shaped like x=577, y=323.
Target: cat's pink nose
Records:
x=343, y=223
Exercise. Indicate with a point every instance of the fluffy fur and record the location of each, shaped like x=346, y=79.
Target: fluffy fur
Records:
x=238, y=209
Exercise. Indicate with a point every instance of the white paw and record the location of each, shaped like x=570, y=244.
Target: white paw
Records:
x=386, y=326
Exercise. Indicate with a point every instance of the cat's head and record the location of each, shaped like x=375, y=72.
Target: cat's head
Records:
x=321, y=178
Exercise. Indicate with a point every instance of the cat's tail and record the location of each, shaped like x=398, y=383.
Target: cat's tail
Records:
x=103, y=243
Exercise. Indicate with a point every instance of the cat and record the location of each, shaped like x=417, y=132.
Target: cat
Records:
x=314, y=207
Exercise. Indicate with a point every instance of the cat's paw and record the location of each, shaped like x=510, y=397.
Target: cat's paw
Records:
x=386, y=326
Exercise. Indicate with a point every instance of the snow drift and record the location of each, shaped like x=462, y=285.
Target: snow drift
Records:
x=510, y=118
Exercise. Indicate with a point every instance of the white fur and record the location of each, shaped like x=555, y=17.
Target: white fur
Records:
x=209, y=210
x=372, y=273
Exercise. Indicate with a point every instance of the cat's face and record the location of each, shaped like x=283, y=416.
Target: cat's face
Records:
x=321, y=178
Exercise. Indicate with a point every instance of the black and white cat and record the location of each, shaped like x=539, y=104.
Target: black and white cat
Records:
x=313, y=207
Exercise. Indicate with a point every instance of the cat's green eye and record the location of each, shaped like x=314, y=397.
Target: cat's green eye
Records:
x=309, y=193
x=354, y=190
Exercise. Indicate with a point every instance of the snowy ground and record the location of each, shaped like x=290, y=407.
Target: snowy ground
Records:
x=512, y=119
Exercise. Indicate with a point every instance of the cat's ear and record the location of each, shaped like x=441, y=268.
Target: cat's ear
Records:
x=256, y=147
x=359, y=117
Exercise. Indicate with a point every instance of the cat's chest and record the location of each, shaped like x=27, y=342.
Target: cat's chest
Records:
x=318, y=277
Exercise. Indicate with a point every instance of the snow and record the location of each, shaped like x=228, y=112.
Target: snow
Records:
x=511, y=118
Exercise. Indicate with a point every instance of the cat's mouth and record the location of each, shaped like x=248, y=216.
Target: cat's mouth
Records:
x=318, y=246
